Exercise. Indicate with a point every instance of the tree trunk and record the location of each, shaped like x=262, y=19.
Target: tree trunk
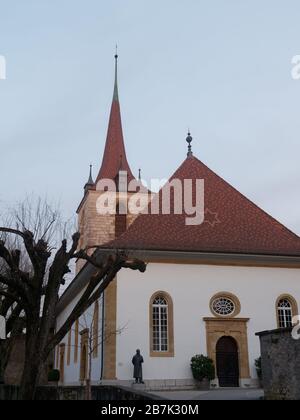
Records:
x=89, y=378
x=6, y=347
x=3, y=358
x=32, y=365
x=29, y=380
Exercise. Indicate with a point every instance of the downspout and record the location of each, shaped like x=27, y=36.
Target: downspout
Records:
x=102, y=337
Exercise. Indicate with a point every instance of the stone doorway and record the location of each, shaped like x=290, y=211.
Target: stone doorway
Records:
x=236, y=328
x=227, y=360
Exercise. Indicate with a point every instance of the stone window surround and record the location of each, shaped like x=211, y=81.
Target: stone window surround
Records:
x=293, y=303
x=236, y=328
x=229, y=296
x=170, y=352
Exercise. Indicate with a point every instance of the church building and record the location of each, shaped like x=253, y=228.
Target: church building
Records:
x=208, y=287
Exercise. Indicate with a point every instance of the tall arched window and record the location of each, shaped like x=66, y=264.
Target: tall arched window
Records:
x=62, y=348
x=286, y=308
x=76, y=341
x=69, y=347
x=95, y=337
x=83, y=363
x=161, y=325
x=120, y=219
x=84, y=356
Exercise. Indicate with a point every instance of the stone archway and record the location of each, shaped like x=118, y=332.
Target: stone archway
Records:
x=236, y=328
x=227, y=362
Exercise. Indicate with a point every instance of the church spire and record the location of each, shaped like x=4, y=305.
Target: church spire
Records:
x=116, y=93
x=90, y=183
x=114, y=147
x=90, y=180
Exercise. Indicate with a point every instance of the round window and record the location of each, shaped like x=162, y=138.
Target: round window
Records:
x=223, y=306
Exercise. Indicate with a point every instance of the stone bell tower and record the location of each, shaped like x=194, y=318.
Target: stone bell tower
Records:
x=97, y=229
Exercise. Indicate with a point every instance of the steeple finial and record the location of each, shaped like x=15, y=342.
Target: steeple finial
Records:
x=116, y=94
x=90, y=183
x=140, y=174
x=189, y=140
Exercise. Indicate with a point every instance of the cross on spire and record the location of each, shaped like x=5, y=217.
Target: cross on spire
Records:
x=90, y=183
x=116, y=93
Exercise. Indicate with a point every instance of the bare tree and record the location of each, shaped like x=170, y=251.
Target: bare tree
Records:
x=12, y=312
x=33, y=289
x=95, y=339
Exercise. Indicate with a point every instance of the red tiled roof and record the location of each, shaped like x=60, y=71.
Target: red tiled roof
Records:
x=233, y=224
x=114, y=158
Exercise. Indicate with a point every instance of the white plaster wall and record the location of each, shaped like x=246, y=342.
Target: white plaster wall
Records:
x=72, y=372
x=191, y=288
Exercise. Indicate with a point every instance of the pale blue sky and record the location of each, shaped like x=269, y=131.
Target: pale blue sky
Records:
x=220, y=67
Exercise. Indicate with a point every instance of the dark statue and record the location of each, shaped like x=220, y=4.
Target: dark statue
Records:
x=137, y=362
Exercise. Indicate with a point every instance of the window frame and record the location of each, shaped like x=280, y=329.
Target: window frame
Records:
x=170, y=325
x=293, y=308
x=226, y=295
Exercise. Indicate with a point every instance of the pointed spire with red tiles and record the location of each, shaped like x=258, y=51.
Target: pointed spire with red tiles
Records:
x=114, y=158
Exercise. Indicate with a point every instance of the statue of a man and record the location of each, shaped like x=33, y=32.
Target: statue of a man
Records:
x=137, y=362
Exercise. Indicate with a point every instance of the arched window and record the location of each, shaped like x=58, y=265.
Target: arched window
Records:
x=69, y=347
x=84, y=356
x=120, y=219
x=286, y=309
x=285, y=314
x=76, y=341
x=161, y=325
x=83, y=363
x=62, y=348
x=95, y=337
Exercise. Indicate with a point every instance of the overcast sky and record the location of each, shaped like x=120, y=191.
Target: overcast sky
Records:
x=222, y=68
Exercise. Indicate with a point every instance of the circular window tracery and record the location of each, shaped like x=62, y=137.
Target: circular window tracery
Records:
x=225, y=305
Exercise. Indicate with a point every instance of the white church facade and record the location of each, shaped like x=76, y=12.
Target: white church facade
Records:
x=208, y=288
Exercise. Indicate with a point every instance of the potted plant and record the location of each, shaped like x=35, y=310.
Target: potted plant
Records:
x=54, y=376
x=203, y=370
x=259, y=370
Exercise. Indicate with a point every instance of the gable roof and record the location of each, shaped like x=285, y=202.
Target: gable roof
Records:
x=233, y=223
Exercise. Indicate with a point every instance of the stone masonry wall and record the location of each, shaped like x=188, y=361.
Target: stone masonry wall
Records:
x=280, y=364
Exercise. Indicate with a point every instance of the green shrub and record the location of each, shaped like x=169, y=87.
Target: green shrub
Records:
x=54, y=375
x=202, y=368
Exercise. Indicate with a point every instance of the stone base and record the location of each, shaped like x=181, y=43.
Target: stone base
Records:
x=156, y=384
x=138, y=387
x=172, y=384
